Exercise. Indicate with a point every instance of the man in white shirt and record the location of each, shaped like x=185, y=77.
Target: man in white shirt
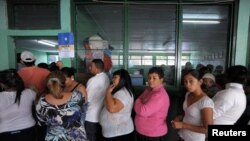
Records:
x=96, y=89
x=230, y=103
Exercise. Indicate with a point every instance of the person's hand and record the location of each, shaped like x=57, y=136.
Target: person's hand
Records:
x=110, y=88
x=176, y=124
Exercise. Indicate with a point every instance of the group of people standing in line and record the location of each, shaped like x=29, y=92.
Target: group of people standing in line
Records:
x=200, y=110
x=102, y=110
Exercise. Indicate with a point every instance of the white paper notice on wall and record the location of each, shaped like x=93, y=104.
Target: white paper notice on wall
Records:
x=66, y=51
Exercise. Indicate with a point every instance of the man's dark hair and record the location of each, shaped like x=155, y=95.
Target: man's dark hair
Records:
x=99, y=64
x=236, y=74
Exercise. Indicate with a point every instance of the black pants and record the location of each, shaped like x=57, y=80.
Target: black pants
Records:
x=140, y=137
x=127, y=137
x=41, y=132
x=19, y=135
x=181, y=139
x=94, y=131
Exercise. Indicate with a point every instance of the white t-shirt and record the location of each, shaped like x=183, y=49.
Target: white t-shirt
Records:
x=14, y=117
x=193, y=116
x=119, y=123
x=229, y=104
x=96, y=89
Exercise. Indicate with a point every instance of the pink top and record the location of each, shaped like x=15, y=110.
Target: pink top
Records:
x=151, y=112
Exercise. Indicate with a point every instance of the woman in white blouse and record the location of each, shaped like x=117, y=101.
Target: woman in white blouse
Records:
x=16, y=120
x=198, y=110
x=115, y=117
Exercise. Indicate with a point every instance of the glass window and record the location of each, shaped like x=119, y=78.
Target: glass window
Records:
x=184, y=59
x=115, y=59
x=151, y=37
x=135, y=61
x=120, y=60
x=205, y=34
x=147, y=60
x=152, y=32
x=165, y=60
x=161, y=60
x=171, y=60
x=99, y=34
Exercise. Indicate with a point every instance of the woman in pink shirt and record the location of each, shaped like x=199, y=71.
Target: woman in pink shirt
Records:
x=151, y=109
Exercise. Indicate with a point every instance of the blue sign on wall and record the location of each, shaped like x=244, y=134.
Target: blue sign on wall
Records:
x=65, y=38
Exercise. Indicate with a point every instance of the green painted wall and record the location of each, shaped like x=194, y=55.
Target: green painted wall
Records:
x=4, y=57
x=248, y=48
x=242, y=33
x=7, y=46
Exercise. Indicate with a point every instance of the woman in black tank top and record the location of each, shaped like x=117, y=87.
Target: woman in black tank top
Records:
x=71, y=84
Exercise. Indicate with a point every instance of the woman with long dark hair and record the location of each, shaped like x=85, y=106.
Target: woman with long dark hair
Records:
x=198, y=110
x=16, y=120
x=115, y=117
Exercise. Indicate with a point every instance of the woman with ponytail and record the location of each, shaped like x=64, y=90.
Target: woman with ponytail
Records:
x=16, y=120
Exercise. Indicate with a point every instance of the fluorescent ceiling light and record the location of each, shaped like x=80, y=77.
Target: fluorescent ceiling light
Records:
x=47, y=42
x=202, y=21
x=202, y=16
x=151, y=51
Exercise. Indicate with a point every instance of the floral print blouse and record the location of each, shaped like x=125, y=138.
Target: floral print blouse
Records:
x=64, y=122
